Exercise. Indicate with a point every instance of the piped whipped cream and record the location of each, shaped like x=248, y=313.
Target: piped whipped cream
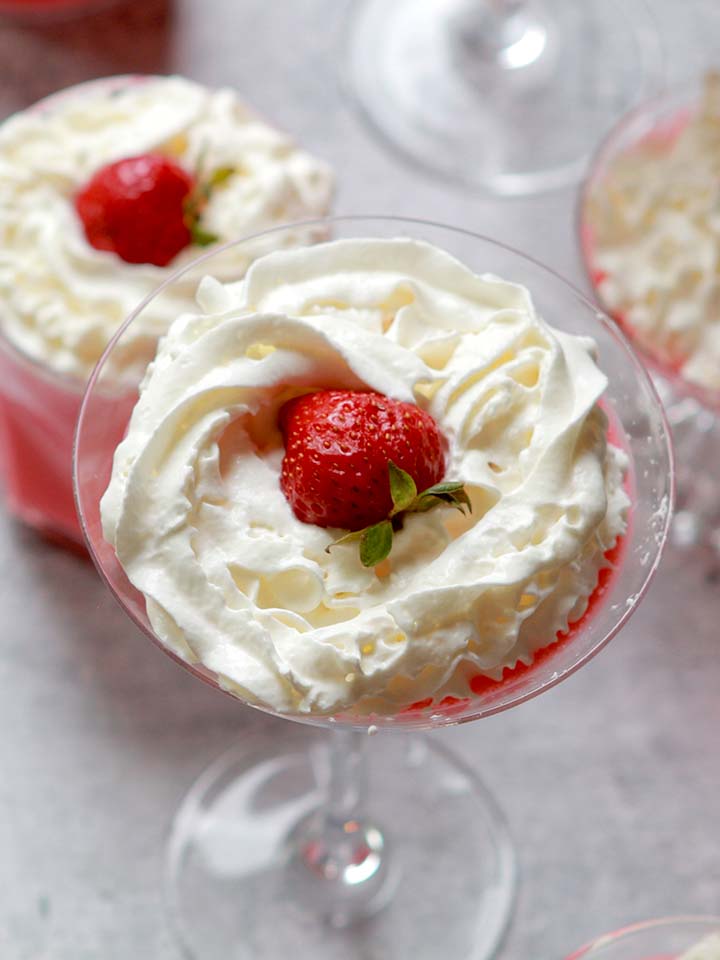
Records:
x=234, y=580
x=61, y=300
x=654, y=223
x=707, y=949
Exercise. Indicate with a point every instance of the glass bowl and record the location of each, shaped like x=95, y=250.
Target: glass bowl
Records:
x=655, y=123
x=468, y=91
x=342, y=854
x=692, y=406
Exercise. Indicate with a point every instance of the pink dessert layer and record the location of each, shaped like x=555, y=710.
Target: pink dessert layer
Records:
x=669, y=364
x=489, y=689
x=48, y=5
x=38, y=413
x=662, y=137
x=37, y=423
x=38, y=408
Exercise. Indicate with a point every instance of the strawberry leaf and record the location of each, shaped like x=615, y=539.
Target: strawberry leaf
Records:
x=427, y=500
x=219, y=176
x=448, y=487
x=402, y=488
x=376, y=543
x=348, y=538
x=422, y=504
x=198, y=199
x=200, y=237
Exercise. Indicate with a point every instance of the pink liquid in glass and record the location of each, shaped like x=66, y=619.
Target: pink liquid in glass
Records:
x=38, y=412
x=37, y=422
x=49, y=6
x=39, y=408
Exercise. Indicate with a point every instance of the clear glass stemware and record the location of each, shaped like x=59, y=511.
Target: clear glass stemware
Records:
x=507, y=96
x=384, y=846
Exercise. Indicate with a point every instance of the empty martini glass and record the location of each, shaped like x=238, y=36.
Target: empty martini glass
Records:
x=333, y=844
x=665, y=939
x=507, y=96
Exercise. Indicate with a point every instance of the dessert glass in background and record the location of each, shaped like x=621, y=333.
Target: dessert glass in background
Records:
x=650, y=241
x=328, y=846
x=671, y=938
x=61, y=299
x=468, y=89
x=44, y=11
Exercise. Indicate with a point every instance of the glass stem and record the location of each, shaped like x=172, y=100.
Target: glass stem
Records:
x=498, y=34
x=339, y=858
x=346, y=776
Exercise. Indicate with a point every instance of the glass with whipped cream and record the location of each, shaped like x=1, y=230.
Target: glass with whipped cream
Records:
x=671, y=938
x=65, y=288
x=650, y=239
x=530, y=550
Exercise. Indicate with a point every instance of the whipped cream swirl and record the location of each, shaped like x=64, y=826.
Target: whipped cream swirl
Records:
x=707, y=949
x=233, y=579
x=654, y=223
x=60, y=299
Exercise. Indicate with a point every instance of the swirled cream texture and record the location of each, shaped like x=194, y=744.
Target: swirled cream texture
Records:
x=60, y=299
x=654, y=223
x=707, y=949
x=232, y=579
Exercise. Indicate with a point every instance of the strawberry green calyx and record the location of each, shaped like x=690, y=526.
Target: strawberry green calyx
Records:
x=197, y=201
x=376, y=541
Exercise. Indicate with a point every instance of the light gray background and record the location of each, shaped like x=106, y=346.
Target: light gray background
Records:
x=611, y=782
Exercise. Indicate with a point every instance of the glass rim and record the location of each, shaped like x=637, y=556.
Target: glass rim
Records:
x=681, y=95
x=607, y=939
x=348, y=721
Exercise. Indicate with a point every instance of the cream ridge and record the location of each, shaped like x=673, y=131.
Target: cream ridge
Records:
x=233, y=580
x=707, y=949
x=60, y=299
x=654, y=221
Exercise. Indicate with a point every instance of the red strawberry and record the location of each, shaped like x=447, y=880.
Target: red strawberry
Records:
x=137, y=207
x=338, y=444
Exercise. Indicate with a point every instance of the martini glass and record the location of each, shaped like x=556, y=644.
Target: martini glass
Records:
x=349, y=846
x=693, y=408
x=507, y=96
x=665, y=939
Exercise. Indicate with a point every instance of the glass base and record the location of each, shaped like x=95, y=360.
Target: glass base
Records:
x=511, y=104
x=438, y=857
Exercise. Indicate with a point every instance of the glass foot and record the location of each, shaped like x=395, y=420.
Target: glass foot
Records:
x=470, y=91
x=242, y=880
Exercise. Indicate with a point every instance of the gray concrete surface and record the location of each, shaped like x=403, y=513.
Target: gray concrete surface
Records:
x=611, y=782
